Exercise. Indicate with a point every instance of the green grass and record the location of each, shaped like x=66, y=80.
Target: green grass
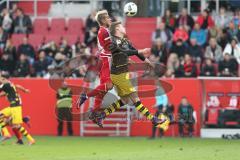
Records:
x=76, y=148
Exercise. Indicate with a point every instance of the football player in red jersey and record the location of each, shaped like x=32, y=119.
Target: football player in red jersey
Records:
x=104, y=41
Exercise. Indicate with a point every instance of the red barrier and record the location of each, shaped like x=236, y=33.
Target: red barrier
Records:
x=39, y=104
x=181, y=87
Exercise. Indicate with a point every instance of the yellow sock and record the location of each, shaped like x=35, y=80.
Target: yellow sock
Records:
x=6, y=132
x=30, y=138
x=113, y=107
x=143, y=110
x=26, y=134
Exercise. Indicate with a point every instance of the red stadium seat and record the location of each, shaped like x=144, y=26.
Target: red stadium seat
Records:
x=58, y=26
x=41, y=26
x=212, y=116
x=55, y=38
x=35, y=40
x=75, y=26
x=17, y=39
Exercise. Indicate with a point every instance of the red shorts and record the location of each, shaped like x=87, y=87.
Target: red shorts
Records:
x=104, y=75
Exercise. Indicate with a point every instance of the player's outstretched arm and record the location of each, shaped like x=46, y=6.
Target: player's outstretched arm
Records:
x=22, y=88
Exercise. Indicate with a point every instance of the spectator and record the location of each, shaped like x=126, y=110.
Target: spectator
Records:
x=59, y=60
x=233, y=31
x=234, y=49
x=6, y=64
x=22, y=67
x=223, y=38
x=214, y=51
x=50, y=73
x=10, y=49
x=169, y=20
x=13, y=10
x=236, y=18
x=227, y=67
x=159, y=52
x=185, y=113
x=208, y=68
x=22, y=23
x=65, y=49
x=199, y=34
x=180, y=33
x=6, y=21
x=27, y=49
x=189, y=68
x=91, y=21
x=81, y=49
x=166, y=110
x=195, y=50
x=161, y=33
x=91, y=37
x=222, y=20
x=50, y=49
x=64, y=107
x=179, y=48
x=185, y=20
x=205, y=20
x=213, y=32
x=173, y=66
x=3, y=38
x=41, y=65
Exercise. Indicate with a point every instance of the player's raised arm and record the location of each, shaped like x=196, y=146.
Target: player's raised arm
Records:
x=22, y=88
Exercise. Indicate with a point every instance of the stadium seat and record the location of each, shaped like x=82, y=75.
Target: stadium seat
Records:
x=17, y=39
x=35, y=40
x=42, y=7
x=212, y=115
x=41, y=26
x=75, y=26
x=58, y=26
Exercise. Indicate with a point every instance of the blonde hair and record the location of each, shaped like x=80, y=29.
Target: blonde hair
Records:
x=100, y=15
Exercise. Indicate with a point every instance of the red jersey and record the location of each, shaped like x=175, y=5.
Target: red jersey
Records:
x=104, y=41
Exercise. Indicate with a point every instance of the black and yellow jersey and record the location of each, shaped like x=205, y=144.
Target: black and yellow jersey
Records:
x=121, y=49
x=11, y=93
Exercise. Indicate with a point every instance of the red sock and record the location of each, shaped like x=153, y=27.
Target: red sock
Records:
x=98, y=90
x=17, y=133
x=98, y=101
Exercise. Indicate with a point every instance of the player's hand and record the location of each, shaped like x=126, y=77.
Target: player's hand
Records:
x=146, y=51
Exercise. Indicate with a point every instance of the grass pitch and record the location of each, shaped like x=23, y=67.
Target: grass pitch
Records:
x=111, y=148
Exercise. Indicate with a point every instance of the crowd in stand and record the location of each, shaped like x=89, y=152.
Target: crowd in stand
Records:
x=26, y=60
x=206, y=46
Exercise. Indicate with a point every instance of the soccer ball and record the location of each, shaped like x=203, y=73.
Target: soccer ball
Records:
x=130, y=9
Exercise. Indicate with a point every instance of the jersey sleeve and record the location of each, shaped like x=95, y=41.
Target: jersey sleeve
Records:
x=104, y=39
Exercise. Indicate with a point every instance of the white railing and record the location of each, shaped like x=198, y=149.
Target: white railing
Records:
x=118, y=119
